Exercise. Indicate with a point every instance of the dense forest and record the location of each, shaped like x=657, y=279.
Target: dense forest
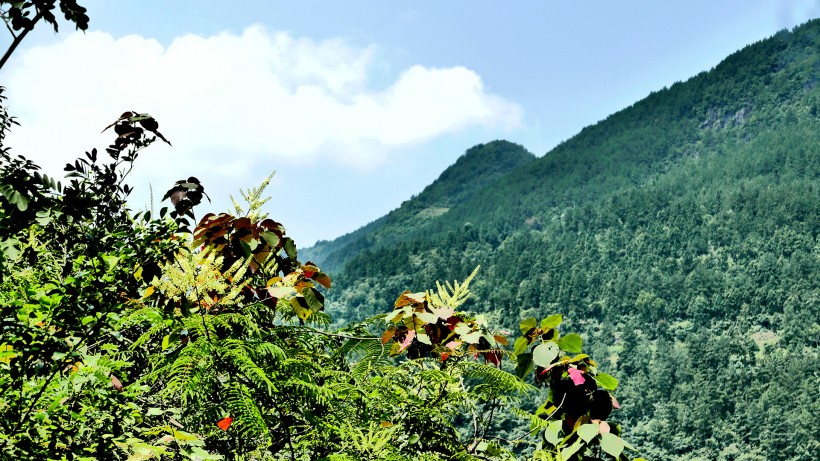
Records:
x=680, y=237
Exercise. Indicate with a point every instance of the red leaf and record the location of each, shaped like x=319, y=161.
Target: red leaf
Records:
x=225, y=423
x=493, y=357
x=452, y=322
x=615, y=403
x=576, y=375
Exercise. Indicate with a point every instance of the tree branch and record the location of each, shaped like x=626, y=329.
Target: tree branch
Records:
x=18, y=39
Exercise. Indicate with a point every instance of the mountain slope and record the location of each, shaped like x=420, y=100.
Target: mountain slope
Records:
x=679, y=236
x=479, y=168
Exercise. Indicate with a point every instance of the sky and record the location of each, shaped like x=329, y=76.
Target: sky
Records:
x=355, y=105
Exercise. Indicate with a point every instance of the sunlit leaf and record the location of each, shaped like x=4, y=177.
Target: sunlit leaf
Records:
x=552, y=431
x=520, y=345
x=528, y=324
x=544, y=354
x=606, y=381
x=612, y=444
x=587, y=432
x=408, y=298
x=443, y=313
x=427, y=317
x=472, y=338
x=462, y=329
x=553, y=321
x=570, y=343
x=567, y=452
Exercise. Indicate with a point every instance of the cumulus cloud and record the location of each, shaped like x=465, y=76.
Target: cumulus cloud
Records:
x=258, y=95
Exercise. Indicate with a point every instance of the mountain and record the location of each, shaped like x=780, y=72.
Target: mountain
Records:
x=679, y=237
x=479, y=167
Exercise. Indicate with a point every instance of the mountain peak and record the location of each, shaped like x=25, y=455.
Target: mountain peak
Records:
x=479, y=167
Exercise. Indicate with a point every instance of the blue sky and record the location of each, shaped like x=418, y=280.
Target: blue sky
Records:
x=357, y=105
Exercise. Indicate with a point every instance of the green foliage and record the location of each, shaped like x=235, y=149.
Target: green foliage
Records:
x=679, y=238
x=133, y=337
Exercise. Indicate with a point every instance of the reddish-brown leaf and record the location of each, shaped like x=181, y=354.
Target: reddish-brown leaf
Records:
x=116, y=383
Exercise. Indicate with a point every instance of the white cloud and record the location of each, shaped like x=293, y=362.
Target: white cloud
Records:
x=258, y=95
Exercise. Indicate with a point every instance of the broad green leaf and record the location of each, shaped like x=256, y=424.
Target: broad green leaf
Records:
x=6, y=353
x=290, y=248
x=153, y=412
x=544, y=354
x=302, y=311
x=312, y=298
x=587, y=432
x=395, y=316
x=472, y=338
x=606, y=381
x=200, y=454
x=528, y=324
x=520, y=345
x=571, y=450
x=570, y=343
x=553, y=321
x=185, y=437
x=280, y=292
x=166, y=341
x=270, y=238
x=552, y=431
x=422, y=336
x=110, y=262
x=524, y=365
x=612, y=444
x=427, y=317
x=462, y=329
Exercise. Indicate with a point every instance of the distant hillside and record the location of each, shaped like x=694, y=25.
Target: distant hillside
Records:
x=479, y=168
x=679, y=236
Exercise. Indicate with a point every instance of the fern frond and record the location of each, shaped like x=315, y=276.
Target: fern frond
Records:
x=247, y=416
x=493, y=379
x=249, y=369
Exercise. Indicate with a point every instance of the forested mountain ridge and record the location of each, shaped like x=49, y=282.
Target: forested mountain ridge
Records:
x=680, y=233
x=479, y=167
